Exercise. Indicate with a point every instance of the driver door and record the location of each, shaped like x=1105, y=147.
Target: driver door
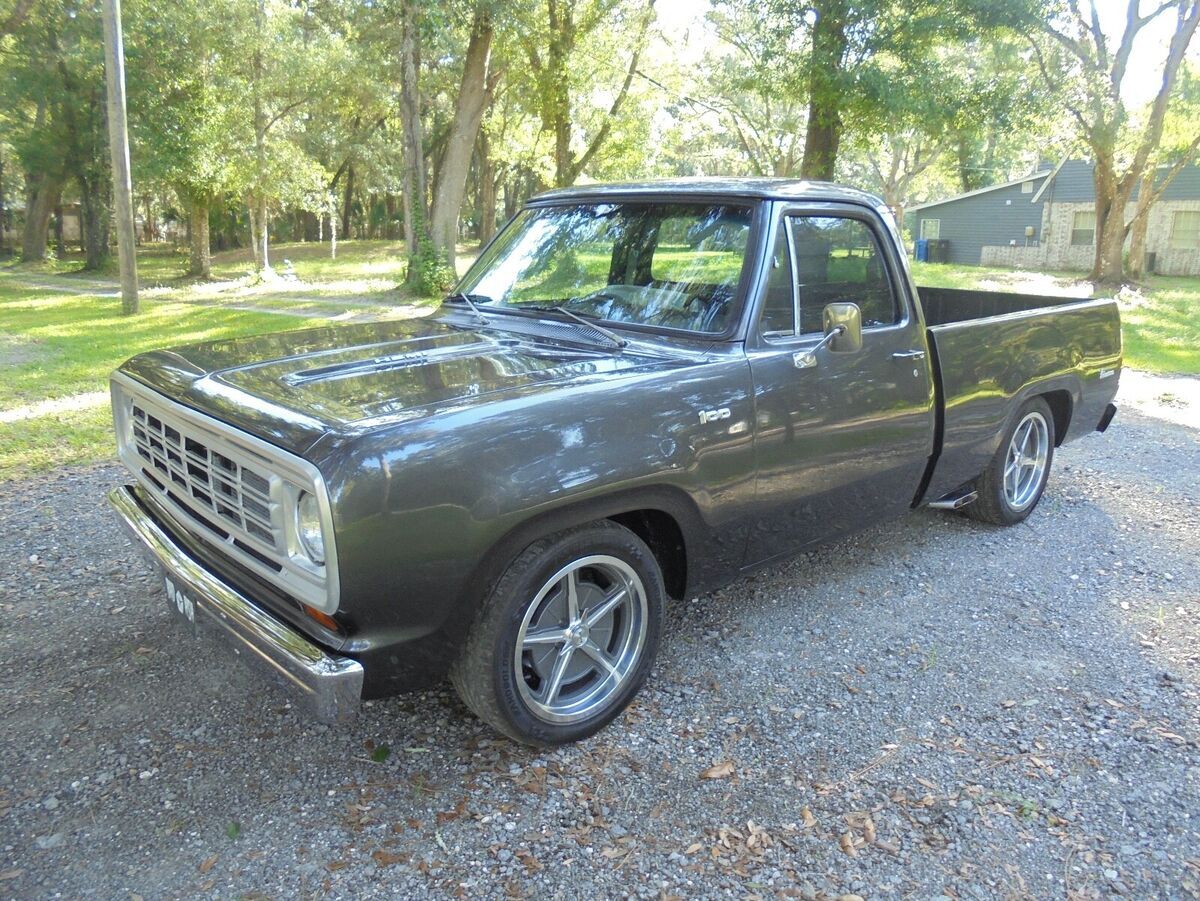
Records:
x=844, y=442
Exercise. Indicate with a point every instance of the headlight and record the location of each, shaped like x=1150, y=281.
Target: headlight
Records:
x=308, y=528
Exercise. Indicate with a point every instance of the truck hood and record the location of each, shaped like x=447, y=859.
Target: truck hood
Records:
x=293, y=388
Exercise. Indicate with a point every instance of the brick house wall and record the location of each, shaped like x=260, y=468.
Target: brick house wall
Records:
x=1171, y=261
x=1056, y=251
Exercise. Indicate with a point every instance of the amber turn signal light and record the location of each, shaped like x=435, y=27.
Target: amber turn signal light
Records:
x=323, y=618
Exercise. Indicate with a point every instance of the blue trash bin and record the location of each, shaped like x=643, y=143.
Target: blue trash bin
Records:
x=923, y=250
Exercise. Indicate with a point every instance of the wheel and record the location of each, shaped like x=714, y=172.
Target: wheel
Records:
x=567, y=636
x=1013, y=483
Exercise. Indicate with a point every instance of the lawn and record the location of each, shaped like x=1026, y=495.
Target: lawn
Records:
x=1160, y=320
x=60, y=347
x=57, y=346
x=59, y=341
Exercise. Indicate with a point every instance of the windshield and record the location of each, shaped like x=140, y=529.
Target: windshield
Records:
x=670, y=265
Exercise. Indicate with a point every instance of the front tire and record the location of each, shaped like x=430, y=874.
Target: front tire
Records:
x=1010, y=488
x=567, y=636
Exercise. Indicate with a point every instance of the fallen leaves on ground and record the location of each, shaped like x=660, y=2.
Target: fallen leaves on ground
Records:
x=718, y=770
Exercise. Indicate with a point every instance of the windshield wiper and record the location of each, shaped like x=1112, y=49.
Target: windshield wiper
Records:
x=607, y=334
x=466, y=298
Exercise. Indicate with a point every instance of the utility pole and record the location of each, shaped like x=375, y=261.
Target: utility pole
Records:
x=118, y=146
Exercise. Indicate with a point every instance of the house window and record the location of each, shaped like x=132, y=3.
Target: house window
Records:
x=1083, y=229
x=1026, y=187
x=931, y=229
x=1185, y=230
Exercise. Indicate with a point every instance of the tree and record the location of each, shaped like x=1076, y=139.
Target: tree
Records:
x=1179, y=146
x=1094, y=67
x=413, y=132
x=182, y=110
x=551, y=50
x=55, y=87
x=962, y=94
x=748, y=88
x=845, y=53
x=475, y=94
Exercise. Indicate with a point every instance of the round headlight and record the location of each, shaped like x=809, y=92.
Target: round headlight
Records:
x=308, y=528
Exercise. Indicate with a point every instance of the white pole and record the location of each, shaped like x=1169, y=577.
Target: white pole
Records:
x=118, y=146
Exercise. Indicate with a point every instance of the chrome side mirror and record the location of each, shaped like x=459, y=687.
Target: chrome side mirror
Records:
x=844, y=321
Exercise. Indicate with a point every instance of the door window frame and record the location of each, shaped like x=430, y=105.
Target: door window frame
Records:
x=756, y=340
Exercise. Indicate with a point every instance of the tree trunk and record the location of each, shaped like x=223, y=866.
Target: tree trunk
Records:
x=252, y=215
x=1141, y=222
x=389, y=209
x=413, y=196
x=473, y=97
x=262, y=256
x=60, y=245
x=95, y=216
x=823, y=136
x=40, y=200
x=348, y=200
x=3, y=212
x=557, y=111
x=511, y=195
x=1108, y=267
x=487, y=190
x=200, y=253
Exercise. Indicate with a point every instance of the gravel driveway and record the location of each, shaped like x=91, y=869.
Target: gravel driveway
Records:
x=933, y=708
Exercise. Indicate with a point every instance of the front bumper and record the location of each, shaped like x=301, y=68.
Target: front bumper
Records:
x=327, y=686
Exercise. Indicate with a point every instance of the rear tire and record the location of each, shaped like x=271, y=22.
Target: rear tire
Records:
x=1012, y=485
x=566, y=638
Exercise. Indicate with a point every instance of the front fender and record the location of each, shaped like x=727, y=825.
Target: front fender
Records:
x=428, y=514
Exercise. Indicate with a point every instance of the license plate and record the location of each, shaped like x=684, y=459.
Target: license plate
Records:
x=179, y=602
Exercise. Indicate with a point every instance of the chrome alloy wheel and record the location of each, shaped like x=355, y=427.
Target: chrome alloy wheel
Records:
x=581, y=637
x=1025, y=464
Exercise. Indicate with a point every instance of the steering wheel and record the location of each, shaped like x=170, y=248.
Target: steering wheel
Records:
x=615, y=303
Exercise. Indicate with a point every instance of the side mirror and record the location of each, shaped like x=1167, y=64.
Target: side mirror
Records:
x=846, y=320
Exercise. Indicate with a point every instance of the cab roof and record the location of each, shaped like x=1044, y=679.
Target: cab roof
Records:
x=708, y=187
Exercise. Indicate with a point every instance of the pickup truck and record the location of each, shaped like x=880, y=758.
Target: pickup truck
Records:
x=638, y=392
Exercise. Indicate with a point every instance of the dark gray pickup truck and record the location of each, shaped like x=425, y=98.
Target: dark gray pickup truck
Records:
x=639, y=392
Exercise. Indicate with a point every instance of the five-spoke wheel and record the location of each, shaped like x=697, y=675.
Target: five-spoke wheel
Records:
x=580, y=638
x=1013, y=483
x=567, y=636
x=1028, y=451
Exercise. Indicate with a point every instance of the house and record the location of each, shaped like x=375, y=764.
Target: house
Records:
x=1047, y=220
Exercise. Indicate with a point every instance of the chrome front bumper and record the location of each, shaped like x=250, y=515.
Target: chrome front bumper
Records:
x=327, y=686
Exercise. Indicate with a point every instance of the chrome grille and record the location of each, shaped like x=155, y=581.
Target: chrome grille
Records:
x=238, y=495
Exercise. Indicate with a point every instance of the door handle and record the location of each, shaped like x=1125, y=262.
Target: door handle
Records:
x=909, y=355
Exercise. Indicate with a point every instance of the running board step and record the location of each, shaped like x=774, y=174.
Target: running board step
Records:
x=955, y=500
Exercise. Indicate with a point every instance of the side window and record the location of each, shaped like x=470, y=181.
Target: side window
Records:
x=837, y=259
x=779, y=306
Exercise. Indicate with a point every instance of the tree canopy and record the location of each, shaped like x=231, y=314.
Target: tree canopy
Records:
x=258, y=120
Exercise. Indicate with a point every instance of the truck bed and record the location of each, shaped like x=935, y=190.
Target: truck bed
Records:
x=944, y=306
x=992, y=351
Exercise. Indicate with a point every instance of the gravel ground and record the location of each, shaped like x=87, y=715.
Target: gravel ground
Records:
x=934, y=708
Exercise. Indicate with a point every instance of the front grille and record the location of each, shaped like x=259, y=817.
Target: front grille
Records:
x=182, y=461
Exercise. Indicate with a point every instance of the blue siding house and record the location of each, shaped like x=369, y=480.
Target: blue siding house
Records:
x=1047, y=220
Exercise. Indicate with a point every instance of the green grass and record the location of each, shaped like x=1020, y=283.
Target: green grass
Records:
x=1162, y=328
x=1160, y=320
x=60, y=346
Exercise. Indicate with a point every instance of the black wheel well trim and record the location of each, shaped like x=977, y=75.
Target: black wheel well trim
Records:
x=622, y=507
x=1060, y=394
